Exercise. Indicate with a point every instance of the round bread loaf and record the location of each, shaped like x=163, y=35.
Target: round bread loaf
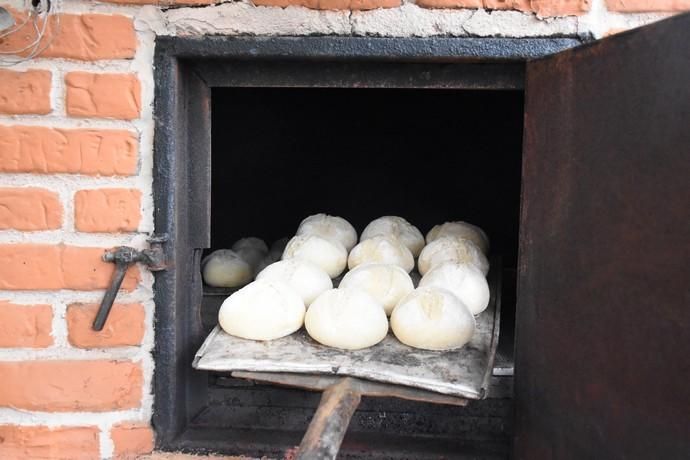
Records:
x=305, y=277
x=386, y=283
x=329, y=227
x=225, y=268
x=408, y=234
x=381, y=250
x=330, y=255
x=262, y=310
x=452, y=249
x=253, y=250
x=465, y=281
x=346, y=318
x=432, y=319
x=460, y=229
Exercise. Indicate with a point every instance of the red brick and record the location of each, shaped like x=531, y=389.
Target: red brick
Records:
x=103, y=95
x=125, y=326
x=332, y=4
x=25, y=326
x=29, y=209
x=540, y=7
x=44, y=443
x=131, y=440
x=107, y=210
x=37, y=149
x=83, y=37
x=44, y=266
x=641, y=6
x=25, y=92
x=69, y=386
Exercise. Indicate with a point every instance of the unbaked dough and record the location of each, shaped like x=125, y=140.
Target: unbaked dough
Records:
x=463, y=230
x=329, y=227
x=330, y=255
x=386, y=283
x=225, y=268
x=346, y=318
x=398, y=227
x=252, y=250
x=452, y=249
x=432, y=319
x=465, y=281
x=262, y=310
x=305, y=277
x=382, y=250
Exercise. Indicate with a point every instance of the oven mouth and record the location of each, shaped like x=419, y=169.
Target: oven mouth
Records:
x=258, y=102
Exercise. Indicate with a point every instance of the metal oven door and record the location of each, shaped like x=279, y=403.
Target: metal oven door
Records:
x=603, y=315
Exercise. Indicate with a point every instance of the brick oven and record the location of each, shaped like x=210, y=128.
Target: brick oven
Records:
x=150, y=125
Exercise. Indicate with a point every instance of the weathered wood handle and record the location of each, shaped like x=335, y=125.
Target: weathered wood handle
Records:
x=329, y=424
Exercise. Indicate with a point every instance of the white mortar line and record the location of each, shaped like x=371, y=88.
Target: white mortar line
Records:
x=57, y=419
x=59, y=331
x=142, y=294
x=61, y=122
x=93, y=240
x=69, y=182
x=68, y=353
x=73, y=65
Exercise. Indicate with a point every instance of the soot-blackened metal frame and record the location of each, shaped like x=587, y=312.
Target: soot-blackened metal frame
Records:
x=185, y=71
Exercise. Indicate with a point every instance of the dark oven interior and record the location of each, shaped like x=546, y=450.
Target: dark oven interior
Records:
x=429, y=155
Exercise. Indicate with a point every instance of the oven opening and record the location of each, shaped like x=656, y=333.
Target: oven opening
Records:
x=428, y=155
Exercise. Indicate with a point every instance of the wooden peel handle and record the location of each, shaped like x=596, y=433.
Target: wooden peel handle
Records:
x=329, y=424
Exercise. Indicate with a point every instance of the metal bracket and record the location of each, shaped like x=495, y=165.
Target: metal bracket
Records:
x=123, y=257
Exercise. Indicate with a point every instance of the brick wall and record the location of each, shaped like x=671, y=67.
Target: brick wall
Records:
x=76, y=134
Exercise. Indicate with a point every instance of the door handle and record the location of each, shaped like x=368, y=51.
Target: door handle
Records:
x=123, y=257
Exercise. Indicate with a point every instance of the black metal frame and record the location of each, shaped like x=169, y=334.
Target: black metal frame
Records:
x=185, y=71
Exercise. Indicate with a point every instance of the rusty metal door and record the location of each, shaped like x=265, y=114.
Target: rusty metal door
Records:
x=603, y=314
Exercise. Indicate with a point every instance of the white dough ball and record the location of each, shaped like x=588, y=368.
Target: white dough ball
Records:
x=381, y=250
x=330, y=255
x=265, y=262
x=262, y=310
x=452, y=249
x=432, y=319
x=252, y=242
x=460, y=229
x=465, y=281
x=398, y=227
x=386, y=283
x=225, y=268
x=329, y=227
x=346, y=318
x=252, y=250
x=305, y=277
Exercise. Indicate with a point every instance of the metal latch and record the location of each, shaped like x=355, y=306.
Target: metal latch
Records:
x=123, y=257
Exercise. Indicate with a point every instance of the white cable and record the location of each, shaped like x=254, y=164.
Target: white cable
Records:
x=41, y=14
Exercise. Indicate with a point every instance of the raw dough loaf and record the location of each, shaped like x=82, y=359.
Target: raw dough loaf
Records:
x=305, y=277
x=225, y=268
x=346, y=318
x=329, y=227
x=381, y=250
x=330, y=255
x=432, y=319
x=262, y=310
x=386, y=283
x=252, y=250
x=465, y=281
x=398, y=227
x=462, y=230
x=452, y=249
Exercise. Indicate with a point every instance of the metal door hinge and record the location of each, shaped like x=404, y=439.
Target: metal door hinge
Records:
x=123, y=257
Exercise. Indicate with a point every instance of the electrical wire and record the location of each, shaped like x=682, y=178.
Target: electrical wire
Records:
x=42, y=13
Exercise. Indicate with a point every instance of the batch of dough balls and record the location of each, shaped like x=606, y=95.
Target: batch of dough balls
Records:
x=299, y=289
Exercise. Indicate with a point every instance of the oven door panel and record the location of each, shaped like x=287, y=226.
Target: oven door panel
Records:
x=603, y=315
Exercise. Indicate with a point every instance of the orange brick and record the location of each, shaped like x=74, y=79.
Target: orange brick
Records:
x=26, y=326
x=540, y=7
x=25, y=92
x=103, y=95
x=131, y=440
x=641, y=6
x=44, y=266
x=107, y=210
x=68, y=386
x=125, y=326
x=332, y=4
x=84, y=151
x=44, y=443
x=84, y=37
x=29, y=209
